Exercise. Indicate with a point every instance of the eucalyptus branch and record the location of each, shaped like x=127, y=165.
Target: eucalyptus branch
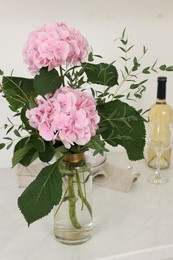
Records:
x=10, y=141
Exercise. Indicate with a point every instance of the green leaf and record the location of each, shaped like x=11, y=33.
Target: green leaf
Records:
x=7, y=138
x=48, y=153
x=16, y=132
x=24, y=119
x=8, y=146
x=11, y=128
x=2, y=145
x=104, y=74
x=130, y=48
x=146, y=70
x=170, y=68
x=47, y=81
x=20, y=153
x=123, y=126
x=42, y=194
x=90, y=57
x=121, y=48
x=98, y=56
x=136, y=65
x=134, y=86
x=123, y=33
x=17, y=91
x=37, y=142
x=21, y=143
x=162, y=67
x=97, y=144
x=144, y=49
x=124, y=42
x=31, y=155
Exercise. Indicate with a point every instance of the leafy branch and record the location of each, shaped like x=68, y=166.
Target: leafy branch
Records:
x=132, y=68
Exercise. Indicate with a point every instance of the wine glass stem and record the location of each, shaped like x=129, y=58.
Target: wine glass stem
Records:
x=159, y=153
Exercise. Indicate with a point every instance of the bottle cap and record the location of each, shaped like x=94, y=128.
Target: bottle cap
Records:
x=161, y=88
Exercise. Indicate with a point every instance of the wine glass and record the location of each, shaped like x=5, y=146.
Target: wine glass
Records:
x=159, y=139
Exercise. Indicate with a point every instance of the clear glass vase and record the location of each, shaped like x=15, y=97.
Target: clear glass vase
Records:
x=73, y=215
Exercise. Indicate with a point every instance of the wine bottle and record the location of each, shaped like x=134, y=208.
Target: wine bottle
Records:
x=160, y=112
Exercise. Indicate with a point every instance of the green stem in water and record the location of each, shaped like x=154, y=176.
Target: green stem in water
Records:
x=80, y=193
x=72, y=203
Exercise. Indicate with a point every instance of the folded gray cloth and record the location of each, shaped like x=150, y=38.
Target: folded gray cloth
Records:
x=112, y=177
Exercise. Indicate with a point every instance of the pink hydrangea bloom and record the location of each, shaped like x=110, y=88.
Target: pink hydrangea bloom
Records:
x=54, y=45
x=68, y=116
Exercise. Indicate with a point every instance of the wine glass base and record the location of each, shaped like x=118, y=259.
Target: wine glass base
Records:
x=157, y=179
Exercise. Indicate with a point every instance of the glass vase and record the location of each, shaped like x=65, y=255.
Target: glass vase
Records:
x=73, y=215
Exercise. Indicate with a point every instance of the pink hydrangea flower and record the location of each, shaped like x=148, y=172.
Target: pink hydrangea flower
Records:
x=69, y=116
x=54, y=45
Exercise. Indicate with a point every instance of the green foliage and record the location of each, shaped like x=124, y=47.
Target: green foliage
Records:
x=124, y=126
x=20, y=153
x=37, y=142
x=120, y=124
x=42, y=194
x=104, y=74
x=48, y=153
x=17, y=91
x=2, y=145
x=166, y=68
x=47, y=81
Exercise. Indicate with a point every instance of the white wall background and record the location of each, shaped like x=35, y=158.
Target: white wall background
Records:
x=148, y=23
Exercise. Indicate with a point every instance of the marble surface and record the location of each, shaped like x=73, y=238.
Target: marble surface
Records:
x=127, y=226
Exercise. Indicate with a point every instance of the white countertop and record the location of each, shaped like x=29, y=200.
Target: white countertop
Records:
x=127, y=226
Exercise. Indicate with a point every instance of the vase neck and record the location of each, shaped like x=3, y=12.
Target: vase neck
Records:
x=74, y=158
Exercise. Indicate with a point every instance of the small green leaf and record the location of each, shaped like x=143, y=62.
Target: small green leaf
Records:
x=126, y=69
x=2, y=145
x=146, y=70
x=9, y=145
x=130, y=48
x=121, y=48
x=125, y=59
x=124, y=42
x=144, y=49
x=90, y=57
x=162, y=67
x=7, y=138
x=170, y=68
x=11, y=128
x=134, y=86
x=16, y=132
x=123, y=33
x=98, y=56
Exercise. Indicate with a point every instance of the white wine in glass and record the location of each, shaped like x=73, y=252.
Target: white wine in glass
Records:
x=159, y=139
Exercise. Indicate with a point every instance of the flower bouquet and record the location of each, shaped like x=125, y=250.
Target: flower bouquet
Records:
x=70, y=105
